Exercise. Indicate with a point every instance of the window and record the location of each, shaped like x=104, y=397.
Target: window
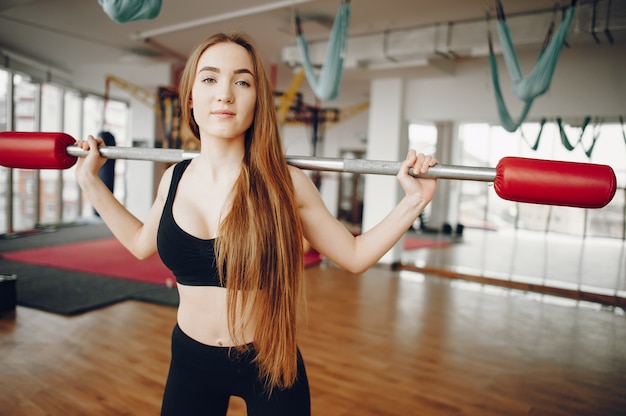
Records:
x=62, y=110
x=485, y=145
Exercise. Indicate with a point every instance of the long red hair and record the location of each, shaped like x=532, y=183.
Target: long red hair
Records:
x=260, y=239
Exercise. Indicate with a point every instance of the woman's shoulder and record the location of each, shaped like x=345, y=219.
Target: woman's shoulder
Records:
x=174, y=169
x=297, y=175
x=166, y=180
x=168, y=173
x=303, y=185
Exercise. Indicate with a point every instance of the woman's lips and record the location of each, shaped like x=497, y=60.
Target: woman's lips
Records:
x=223, y=113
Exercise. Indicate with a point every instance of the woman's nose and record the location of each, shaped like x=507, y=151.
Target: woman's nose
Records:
x=226, y=96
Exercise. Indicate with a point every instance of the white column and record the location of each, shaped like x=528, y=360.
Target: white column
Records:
x=441, y=201
x=387, y=139
x=139, y=174
x=445, y=204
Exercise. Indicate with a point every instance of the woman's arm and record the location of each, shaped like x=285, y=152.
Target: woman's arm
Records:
x=138, y=237
x=356, y=254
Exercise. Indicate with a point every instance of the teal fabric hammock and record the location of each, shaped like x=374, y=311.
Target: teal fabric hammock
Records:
x=123, y=11
x=565, y=141
x=538, y=81
x=326, y=84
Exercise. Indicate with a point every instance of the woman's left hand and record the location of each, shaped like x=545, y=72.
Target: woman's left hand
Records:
x=417, y=186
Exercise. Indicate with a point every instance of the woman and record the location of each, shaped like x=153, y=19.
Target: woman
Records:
x=230, y=224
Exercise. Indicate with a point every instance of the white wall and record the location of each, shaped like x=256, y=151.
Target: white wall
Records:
x=347, y=134
x=140, y=175
x=145, y=73
x=589, y=80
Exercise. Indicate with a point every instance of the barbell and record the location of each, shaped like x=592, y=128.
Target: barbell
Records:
x=518, y=179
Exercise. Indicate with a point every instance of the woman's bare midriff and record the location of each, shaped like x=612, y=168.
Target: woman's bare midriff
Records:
x=202, y=315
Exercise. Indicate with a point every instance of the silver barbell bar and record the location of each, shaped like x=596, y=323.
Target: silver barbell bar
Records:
x=325, y=164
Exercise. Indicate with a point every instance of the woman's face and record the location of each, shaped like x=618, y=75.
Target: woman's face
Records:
x=223, y=96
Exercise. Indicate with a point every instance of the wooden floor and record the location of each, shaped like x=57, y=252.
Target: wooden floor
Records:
x=382, y=343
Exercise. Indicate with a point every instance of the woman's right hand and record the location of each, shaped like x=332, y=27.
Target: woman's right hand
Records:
x=89, y=165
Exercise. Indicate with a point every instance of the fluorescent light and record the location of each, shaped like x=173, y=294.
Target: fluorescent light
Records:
x=218, y=18
x=398, y=64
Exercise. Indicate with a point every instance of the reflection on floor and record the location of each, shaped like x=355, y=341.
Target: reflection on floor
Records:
x=594, y=265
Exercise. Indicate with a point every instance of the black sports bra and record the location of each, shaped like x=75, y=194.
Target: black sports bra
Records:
x=191, y=259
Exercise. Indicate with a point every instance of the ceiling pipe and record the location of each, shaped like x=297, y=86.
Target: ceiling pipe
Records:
x=419, y=46
x=218, y=18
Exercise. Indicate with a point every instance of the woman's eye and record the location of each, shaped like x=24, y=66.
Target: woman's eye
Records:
x=208, y=80
x=243, y=83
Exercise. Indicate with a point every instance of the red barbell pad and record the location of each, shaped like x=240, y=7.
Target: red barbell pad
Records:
x=583, y=185
x=35, y=150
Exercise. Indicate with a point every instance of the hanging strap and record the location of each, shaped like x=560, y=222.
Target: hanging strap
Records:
x=565, y=140
x=596, y=135
x=535, y=146
x=568, y=145
x=326, y=85
x=507, y=122
x=122, y=11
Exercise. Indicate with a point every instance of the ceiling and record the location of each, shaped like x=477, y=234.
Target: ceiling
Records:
x=66, y=34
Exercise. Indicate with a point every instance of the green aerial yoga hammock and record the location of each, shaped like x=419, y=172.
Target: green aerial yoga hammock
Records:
x=122, y=11
x=569, y=146
x=326, y=86
x=535, y=146
x=538, y=81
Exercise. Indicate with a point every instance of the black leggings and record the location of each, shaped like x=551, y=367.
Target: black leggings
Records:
x=202, y=378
